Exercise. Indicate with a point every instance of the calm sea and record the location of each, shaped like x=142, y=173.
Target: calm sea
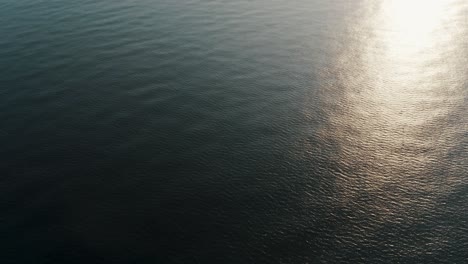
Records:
x=247, y=131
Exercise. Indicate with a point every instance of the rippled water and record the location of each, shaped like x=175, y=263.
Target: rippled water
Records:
x=250, y=131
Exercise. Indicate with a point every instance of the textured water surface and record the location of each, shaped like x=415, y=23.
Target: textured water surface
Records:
x=249, y=131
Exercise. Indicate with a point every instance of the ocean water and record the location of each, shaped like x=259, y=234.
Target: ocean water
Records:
x=248, y=131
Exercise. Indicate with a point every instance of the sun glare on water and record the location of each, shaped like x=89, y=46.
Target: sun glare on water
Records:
x=411, y=25
x=392, y=78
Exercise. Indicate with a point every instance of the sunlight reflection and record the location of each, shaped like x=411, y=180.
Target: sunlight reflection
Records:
x=386, y=105
x=414, y=40
x=411, y=23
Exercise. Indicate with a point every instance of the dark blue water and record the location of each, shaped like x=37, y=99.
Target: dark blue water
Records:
x=250, y=131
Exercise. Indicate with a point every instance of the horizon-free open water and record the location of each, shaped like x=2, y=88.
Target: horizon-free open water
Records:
x=250, y=131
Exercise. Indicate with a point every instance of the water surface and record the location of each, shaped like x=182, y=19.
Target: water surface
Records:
x=196, y=131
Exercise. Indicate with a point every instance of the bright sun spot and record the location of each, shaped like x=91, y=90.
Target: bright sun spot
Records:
x=410, y=25
x=415, y=16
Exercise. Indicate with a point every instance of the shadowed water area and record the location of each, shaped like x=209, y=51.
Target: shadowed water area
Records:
x=249, y=131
